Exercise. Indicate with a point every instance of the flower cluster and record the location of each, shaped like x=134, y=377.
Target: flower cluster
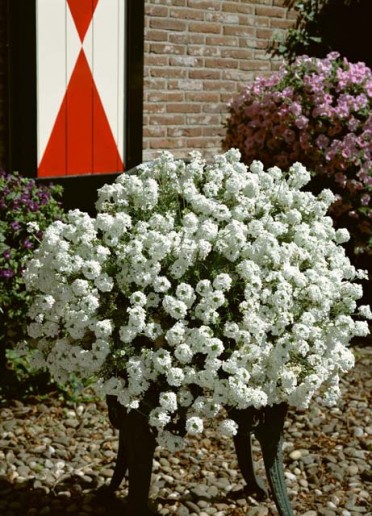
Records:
x=26, y=209
x=198, y=287
x=318, y=112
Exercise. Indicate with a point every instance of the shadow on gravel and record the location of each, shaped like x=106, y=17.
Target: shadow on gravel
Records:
x=19, y=499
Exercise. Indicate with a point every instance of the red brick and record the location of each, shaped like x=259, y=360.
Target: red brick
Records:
x=183, y=107
x=154, y=130
x=199, y=143
x=156, y=10
x=234, y=75
x=204, y=28
x=180, y=3
x=254, y=65
x=166, y=143
x=184, y=131
x=202, y=96
x=205, y=4
x=186, y=61
x=280, y=24
x=166, y=48
x=225, y=41
x=202, y=119
x=203, y=50
x=186, y=38
x=263, y=33
x=261, y=21
x=237, y=7
x=165, y=96
x=185, y=84
x=265, y=10
x=156, y=35
x=221, y=63
x=234, y=30
x=154, y=108
x=167, y=119
x=216, y=130
x=186, y=14
x=167, y=24
x=219, y=85
x=155, y=84
x=204, y=74
x=169, y=72
x=235, y=53
x=155, y=60
x=214, y=108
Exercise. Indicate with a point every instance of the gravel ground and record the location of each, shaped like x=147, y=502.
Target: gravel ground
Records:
x=54, y=455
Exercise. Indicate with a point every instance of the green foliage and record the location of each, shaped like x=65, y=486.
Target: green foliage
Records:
x=26, y=210
x=311, y=34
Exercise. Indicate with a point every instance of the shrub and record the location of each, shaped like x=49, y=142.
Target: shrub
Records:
x=26, y=209
x=318, y=112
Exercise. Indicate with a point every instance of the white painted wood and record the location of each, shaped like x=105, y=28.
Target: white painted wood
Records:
x=107, y=62
x=73, y=44
x=51, y=66
x=58, y=48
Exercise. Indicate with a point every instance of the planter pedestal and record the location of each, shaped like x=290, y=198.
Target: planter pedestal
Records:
x=137, y=445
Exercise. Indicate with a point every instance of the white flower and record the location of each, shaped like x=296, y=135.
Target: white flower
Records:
x=228, y=427
x=33, y=227
x=185, y=293
x=162, y=360
x=168, y=400
x=183, y=353
x=365, y=311
x=222, y=282
x=174, y=307
x=194, y=425
x=103, y=329
x=91, y=269
x=170, y=441
x=299, y=176
x=104, y=283
x=138, y=298
x=161, y=284
x=219, y=282
x=342, y=235
x=176, y=334
x=159, y=418
x=175, y=376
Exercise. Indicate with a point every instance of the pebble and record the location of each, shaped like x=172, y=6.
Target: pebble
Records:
x=53, y=457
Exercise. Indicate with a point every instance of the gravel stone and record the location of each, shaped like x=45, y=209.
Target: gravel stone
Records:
x=54, y=454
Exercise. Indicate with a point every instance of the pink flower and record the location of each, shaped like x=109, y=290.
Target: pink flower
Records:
x=322, y=141
x=317, y=111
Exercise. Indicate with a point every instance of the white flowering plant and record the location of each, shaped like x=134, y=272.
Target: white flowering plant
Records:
x=196, y=288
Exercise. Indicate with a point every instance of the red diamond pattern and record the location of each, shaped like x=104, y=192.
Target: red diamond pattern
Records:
x=81, y=141
x=82, y=12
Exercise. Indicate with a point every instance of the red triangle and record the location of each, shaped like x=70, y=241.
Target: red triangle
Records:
x=81, y=141
x=82, y=12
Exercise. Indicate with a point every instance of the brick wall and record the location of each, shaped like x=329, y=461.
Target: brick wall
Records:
x=198, y=54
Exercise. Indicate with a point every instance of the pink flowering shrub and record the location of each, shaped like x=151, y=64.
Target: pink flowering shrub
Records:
x=318, y=112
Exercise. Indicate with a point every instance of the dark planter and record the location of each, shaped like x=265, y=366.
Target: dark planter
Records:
x=137, y=444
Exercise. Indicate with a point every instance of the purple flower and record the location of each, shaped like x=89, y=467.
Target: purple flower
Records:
x=365, y=199
x=27, y=244
x=6, y=273
x=15, y=225
x=6, y=254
